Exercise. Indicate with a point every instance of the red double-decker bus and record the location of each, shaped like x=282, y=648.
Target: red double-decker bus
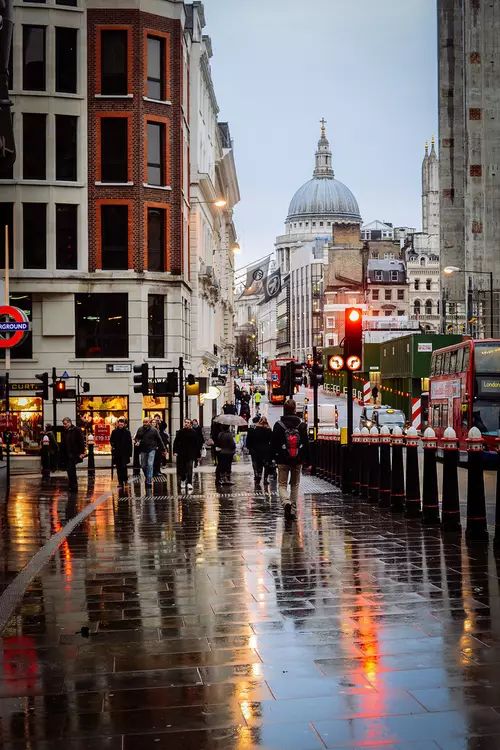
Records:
x=274, y=379
x=465, y=390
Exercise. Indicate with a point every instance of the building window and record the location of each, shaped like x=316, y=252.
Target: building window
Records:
x=378, y=275
x=66, y=236
x=102, y=324
x=428, y=284
x=387, y=294
x=387, y=313
x=416, y=307
x=401, y=294
x=114, y=237
x=401, y=312
x=422, y=261
x=34, y=146
x=34, y=235
x=375, y=293
x=156, y=325
x=394, y=275
x=428, y=307
x=114, y=149
x=156, y=68
x=66, y=60
x=156, y=239
x=416, y=284
x=7, y=170
x=66, y=151
x=25, y=303
x=34, y=58
x=70, y=3
x=114, y=62
x=6, y=220
x=156, y=148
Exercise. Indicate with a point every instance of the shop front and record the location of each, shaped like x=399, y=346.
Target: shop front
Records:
x=99, y=414
x=27, y=413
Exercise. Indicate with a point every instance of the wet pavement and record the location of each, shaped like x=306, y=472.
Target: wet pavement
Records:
x=207, y=623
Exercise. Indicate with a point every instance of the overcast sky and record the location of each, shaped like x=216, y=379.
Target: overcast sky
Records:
x=368, y=67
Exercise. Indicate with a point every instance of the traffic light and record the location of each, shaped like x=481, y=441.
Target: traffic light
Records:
x=141, y=379
x=60, y=388
x=4, y=390
x=44, y=393
x=172, y=382
x=190, y=380
x=353, y=341
x=192, y=386
x=317, y=375
x=85, y=387
x=297, y=373
x=285, y=380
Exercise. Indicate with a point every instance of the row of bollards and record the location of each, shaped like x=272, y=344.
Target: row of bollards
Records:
x=373, y=469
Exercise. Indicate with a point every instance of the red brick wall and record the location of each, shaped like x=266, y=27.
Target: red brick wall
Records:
x=138, y=23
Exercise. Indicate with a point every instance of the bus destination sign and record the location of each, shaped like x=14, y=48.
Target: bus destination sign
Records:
x=488, y=387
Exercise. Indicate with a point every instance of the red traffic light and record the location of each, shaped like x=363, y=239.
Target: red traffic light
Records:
x=353, y=340
x=60, y=386
x=354, y=314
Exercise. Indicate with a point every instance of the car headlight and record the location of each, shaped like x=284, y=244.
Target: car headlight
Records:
x=369, y=423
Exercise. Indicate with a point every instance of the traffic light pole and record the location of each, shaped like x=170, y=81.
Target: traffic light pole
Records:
x=181, y=391
x=315, y=397
x=54, y=398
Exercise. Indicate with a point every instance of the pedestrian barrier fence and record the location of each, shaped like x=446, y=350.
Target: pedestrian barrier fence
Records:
x=416, y=413
x=367, y=392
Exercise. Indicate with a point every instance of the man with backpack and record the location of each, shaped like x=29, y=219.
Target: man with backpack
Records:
x=290, y=446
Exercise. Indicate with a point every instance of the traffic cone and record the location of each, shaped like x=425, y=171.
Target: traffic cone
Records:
x=477, y=529
x=397, y=476
x=450, y=498
x=430, y=499
x=355, y=449
x=413, y=504
x=385, y=468
x=365, y=463
x=374, y=471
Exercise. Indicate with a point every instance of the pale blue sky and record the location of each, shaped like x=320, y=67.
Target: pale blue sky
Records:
x=368, y=67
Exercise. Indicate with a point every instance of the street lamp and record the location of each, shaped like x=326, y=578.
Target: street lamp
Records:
x=450, y=270
x=218, y=202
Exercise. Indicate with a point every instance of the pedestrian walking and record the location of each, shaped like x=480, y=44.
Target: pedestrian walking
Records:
x=229, y=408
x=198, y=430
x=226, y=448
x=148, y=440
x=259, y=440
x=73, y=450
x=50, y=451
x=186, y=451
x=290, y=446
x=121, y=450
x=374, y=394
x=257, y=399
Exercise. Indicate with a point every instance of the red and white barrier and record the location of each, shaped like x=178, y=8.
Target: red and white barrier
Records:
x=367, y=392
x=416, y=413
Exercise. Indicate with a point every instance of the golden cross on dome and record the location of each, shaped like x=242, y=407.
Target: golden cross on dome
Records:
x=323, y=123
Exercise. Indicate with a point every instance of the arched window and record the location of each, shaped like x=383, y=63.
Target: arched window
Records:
x=417, y=284
x=422, y=261
x=428, y=307
x=416, y=307
x=428, y=284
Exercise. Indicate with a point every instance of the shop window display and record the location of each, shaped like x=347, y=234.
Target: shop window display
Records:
x=29, y=413
x=99, y=414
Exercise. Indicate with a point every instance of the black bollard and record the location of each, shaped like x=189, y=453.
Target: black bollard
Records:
x=338, y=456
x=45, y=456
x=413, y=503
x=374, y=471
x=384, y=495
x=364, y=459
x=345, y=462
x=355, y=447
x=90, y=452
x=430, y=495
x=136, y=463
x=450, y=498
x=330, y=448
x=397, y=474
x=477, y=529
x=496, y=540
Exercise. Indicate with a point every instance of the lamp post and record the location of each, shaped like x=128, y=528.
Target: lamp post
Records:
x=218, y=202
x=450, y=270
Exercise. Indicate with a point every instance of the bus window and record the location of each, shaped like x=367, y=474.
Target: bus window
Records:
x=433, y=364
x=436, y=415
x=465, y=364
x=446, y=363
x=453, y=361
x=439, y=364
x=444, y=416
x=460, y=359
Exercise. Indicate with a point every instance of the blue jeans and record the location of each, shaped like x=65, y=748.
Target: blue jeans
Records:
x=147, y=460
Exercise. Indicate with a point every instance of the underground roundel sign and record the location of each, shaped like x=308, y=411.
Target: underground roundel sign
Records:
x=14, y=325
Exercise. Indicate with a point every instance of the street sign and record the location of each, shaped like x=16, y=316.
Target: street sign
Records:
x=119, y=367
x=102, y=433
x=65, y=375
x=335, y=363
x=353, y=362
x=8, y=422
x=18, y=324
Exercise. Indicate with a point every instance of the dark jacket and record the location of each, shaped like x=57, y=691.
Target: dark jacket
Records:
x=186, y=444
x=278, y=441
x=121, y=443
x=198, y=431
x=73, y=443
x=149, y=439
x=215, y=430
x=225, y=443
x=259, y=441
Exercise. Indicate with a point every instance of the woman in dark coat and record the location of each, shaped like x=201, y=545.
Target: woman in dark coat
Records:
x=259, y=446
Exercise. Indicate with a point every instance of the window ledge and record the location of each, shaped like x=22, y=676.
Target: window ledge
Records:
x=47, y=183
x=168, y=188
x=113, y=96
x=113, y=184
x=157, y=101
x=54, y=5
